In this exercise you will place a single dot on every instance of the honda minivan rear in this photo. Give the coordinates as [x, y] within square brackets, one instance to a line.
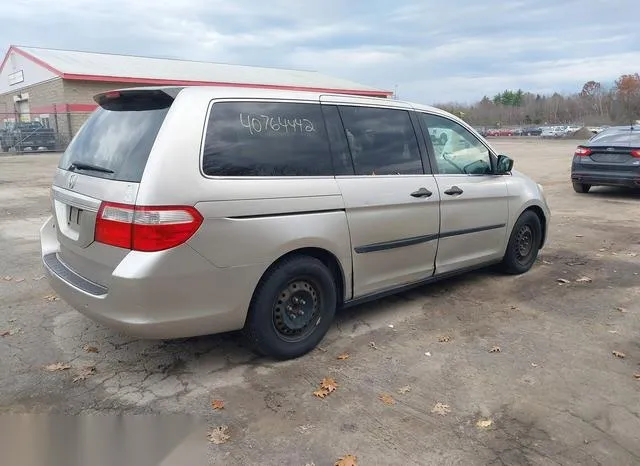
[116, 251]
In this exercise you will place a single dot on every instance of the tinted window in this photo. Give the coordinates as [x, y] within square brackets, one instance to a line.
[342, 163]
[119, 136]
[266, 139]
[382, 141]
[456, 150]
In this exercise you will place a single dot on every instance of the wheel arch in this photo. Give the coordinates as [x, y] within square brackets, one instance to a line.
[327, 258]
[536, 209]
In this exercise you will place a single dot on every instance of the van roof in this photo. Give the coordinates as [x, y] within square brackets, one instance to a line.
[213, 92]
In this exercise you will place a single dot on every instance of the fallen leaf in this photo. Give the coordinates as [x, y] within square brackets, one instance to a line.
[632, 254]
[11, 320]
[343, 356]
[7, 278]
[547, 263]
[563, 281]
[217, 404]
[441, 409]
[51, 298]
[219, 435]
[19, 280]
[321, 393]
[347, 460]
[329, 384]
[320, 348]
[444, 339]
[621, 309]
[373, 345]
[533, 364]
[613, 331]
[619, 354]
[495, 349]
[390, 325]
[58, 366]
[579, 236]
[41, 277]
[90, 349]
[484, 423]
[428, 353]
[637, 375]
[387, 399]
[11, 332]
[584, 280]
[404, 390]
[84, 373]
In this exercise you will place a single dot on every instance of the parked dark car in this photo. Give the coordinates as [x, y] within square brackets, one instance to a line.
[611, 158]
[533, 131]
[31, 135]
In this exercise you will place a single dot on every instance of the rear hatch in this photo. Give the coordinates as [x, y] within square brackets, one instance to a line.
[614, 152]
[104, 163]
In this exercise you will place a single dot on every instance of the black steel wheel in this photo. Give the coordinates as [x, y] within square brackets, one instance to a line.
[296, 308]
[524, 244]
[292, 308]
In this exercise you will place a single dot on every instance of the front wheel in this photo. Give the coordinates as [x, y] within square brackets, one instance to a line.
[581, 188]
[292, 308]
[524, 244]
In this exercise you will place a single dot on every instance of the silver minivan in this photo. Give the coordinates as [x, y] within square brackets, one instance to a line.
[188, 211]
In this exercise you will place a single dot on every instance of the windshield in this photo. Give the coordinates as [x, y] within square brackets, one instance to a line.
[116, 140]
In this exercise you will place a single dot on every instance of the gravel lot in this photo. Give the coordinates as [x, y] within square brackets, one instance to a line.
[555, 393]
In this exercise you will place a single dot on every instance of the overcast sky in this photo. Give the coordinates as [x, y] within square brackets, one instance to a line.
[434, 51]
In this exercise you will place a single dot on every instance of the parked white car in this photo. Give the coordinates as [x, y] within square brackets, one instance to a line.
[552, 132]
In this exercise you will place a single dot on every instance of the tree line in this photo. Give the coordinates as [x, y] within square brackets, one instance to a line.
[594, 105]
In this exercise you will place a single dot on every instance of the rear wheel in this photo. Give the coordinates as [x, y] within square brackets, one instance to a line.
[292, 308]
[581, 188]
[524, 244]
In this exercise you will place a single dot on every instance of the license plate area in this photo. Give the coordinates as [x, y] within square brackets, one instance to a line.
[73, 216]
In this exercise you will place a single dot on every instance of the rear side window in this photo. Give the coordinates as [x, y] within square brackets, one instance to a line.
[266, 139]
[117, 138]
[382, 141]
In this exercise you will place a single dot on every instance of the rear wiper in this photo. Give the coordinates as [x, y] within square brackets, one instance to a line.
[88, 166]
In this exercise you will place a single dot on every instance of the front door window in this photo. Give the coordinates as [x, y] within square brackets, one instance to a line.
[457, 150]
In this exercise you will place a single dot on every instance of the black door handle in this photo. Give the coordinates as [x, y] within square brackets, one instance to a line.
[453, 191]
[422, 192]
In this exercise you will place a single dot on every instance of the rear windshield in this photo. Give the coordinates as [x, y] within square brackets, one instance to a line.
[117, 138]
[625, 138]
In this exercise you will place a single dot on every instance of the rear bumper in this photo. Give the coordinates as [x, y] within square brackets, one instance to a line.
[172, 294]
[606, 178]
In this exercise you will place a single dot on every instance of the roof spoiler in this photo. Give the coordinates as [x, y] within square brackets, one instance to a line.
[166, 95]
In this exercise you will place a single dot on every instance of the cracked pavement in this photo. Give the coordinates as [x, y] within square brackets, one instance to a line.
[555, 392]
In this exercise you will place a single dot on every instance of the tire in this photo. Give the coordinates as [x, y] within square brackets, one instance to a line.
[581, 188]
[524, 244]
[300, 282]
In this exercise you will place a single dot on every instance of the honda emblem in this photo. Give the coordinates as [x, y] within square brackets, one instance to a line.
[71, 182]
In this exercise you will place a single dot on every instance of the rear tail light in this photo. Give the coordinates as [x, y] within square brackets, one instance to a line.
[635, 153]
[583, 151]
[146, 228]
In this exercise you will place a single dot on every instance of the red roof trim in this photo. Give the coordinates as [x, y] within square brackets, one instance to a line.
[30, 57]
[171, 82]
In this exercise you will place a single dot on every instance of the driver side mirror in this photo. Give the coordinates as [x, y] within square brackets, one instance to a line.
[504, 165]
